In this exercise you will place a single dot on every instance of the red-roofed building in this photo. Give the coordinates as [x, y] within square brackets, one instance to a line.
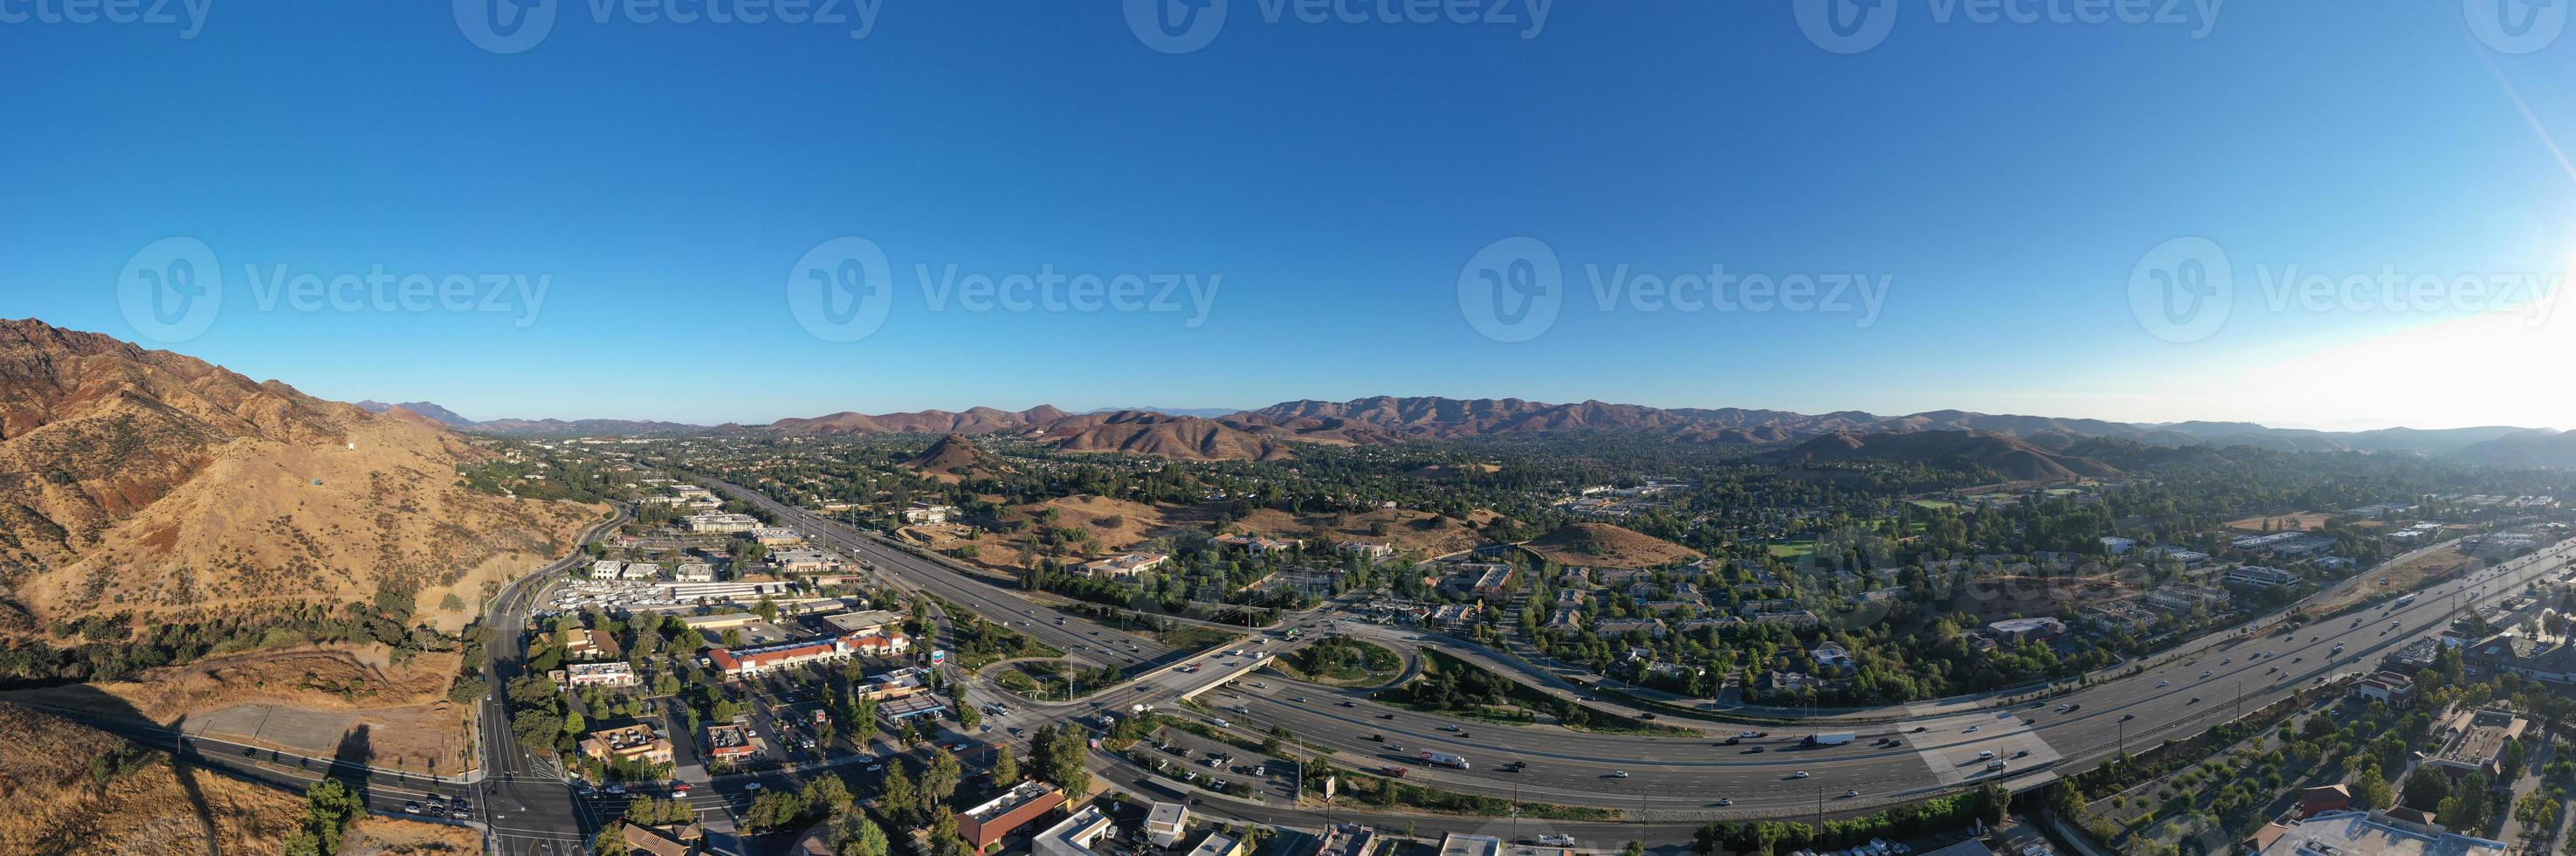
[2316, 801]
[880, 645]
[738, 663]
[986, 825]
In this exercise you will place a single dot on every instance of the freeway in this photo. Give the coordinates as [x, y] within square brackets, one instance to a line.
[1078, 637]
[1678, 777]
[1939, 751]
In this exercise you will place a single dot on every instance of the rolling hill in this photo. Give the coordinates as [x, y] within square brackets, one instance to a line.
[144, 481]
[2010, 457]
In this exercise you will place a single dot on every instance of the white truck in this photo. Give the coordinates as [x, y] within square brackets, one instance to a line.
[1837, 738]
[1445, 760]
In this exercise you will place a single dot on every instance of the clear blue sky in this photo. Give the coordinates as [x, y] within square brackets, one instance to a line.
[2004, 180]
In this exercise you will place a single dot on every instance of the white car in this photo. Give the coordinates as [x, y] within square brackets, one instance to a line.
[1556, 840]
[1798, 775]
[2163, 684]
[1985, 755]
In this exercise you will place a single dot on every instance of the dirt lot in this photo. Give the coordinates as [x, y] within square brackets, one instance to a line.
[373, 836]
[316, 701]
[2305, 521]
[2413, 574]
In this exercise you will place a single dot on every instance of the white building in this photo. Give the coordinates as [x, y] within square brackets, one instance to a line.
[606, 569]
[695, 572]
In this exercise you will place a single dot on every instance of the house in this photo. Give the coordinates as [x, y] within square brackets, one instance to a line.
[2253, 576]
[636, 743]
[727, 742]
[666, 840]
[1075, 835]
[986, 825]
[921, 513]
[1365, 550]
[1623, 627]
[1124, 566]
[598, 675]
[1167, 823]
[1831, 656]
[695, 572]
[2118, 546]
[1565, 621]
[1259, 545]
[1793, 618]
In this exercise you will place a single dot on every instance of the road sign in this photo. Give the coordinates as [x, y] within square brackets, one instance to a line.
[939, 657]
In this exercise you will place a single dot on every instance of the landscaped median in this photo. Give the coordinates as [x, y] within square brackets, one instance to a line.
[1453, 687]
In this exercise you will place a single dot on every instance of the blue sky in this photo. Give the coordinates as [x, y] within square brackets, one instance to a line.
[2001, 182]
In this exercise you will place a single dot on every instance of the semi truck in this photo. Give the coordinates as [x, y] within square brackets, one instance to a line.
[1837, 738]
[1445, 760]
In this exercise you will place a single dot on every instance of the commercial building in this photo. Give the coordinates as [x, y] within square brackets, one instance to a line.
[720, 524]
[2018, 631]
[739, 663]
[606, 569]
[598, 675]
[2394, 689]
[776, 536]
[2477, 741]
[1074, 836]
[1167, 823]
[641, 572]
[1455, 844]
[727, 743]
[636, 743]
[986, 825]
[695, 572]
[2370, 833]
[1217, 842]
[920, 514]
[665, 840]
[582, 643]
[804, 561]
[2260, 577]
[1122, 567]
[866, 622]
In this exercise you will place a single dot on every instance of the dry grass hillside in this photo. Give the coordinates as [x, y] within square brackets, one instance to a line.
[1410, 531]
[67, 800]
[312, 700]
[153, 483]
[1601, 545]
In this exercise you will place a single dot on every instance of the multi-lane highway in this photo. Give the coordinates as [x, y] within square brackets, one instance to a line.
[1898, 756]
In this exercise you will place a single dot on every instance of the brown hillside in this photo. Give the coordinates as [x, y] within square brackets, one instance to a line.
[1410, 531]
[1142, 433]
[953, 459]
[153, 482]
[57, 806]
[1601, 545]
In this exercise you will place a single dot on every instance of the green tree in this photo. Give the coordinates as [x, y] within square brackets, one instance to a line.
[1006, 767]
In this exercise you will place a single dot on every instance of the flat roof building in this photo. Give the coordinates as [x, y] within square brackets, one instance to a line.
[986, 825]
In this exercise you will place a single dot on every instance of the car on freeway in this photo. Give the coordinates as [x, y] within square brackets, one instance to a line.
[1556, 840]
[411, 808]
[1725, 801]
[2207, 673]
[751, 786]
[1798, 775]
[1985, 755]
[1850, 794]
[1618, 774]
